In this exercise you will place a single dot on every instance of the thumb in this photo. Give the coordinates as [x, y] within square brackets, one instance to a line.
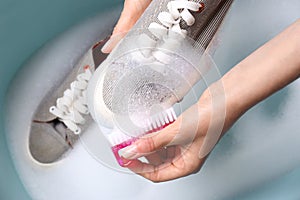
[182, 131]
[151, 142]
[133, 9]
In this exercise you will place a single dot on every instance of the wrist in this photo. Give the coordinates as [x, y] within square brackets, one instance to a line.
[267, 70]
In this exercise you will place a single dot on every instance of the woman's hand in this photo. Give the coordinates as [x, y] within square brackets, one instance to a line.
[181, 148]
[133, 9]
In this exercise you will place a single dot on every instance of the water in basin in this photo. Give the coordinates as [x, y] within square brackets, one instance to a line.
[258, 150]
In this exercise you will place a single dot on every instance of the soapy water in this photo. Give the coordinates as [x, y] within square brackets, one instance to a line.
[259, 148]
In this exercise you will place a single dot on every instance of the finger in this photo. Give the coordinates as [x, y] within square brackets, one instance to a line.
[184, 163]
[152, 142]
[155, 159]
[161, 156]
[183, 131]
[163, 172]
[133, 9]
[140, 167]
[112, 42]
[170, 153]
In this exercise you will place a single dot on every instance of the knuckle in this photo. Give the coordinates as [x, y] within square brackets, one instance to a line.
[150, 145]
[154, 178]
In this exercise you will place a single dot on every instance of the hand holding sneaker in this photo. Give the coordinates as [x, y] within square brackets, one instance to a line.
[132, 11]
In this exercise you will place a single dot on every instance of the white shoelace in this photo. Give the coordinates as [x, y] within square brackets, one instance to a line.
[168, 29]
[73, 105]
[170, 21]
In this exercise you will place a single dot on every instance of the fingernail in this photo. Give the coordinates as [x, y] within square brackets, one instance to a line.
[107, 46]
[129, 152]
[126, 162]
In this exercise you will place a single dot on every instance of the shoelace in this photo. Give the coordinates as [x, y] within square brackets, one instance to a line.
[170, 21]
[73, 105]
[168, 29]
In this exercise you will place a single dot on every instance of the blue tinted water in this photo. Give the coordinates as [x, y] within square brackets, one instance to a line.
[24, 27]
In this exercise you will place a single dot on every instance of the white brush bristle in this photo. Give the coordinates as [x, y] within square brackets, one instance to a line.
[117, 137]
[161, 119]
[154, 123]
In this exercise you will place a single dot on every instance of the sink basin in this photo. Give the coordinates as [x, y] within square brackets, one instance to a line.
[256, 159]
